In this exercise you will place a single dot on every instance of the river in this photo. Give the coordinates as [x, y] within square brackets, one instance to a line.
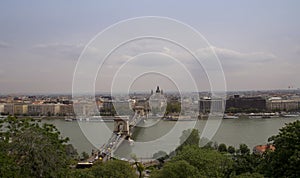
[231, 132]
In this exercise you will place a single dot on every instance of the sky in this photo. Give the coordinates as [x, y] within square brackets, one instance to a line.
[257, 42]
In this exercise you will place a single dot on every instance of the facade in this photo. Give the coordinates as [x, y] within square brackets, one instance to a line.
[1, 108]
[50, 109]
[283, 105]
[85, 109]
[107, 108]
[34, 109]
[20, 109]
[245, 103]
[9, 109]
[208, 105]
[43, 109]
[66, 110]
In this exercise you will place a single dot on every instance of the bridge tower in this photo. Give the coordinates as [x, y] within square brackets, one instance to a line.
[121, 126]
[140, 110]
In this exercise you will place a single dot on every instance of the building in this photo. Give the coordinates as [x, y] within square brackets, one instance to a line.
[157, 103]
[208, 105]
[1, 108]
[66, 110]
[123, 107]
[85, 109]
[246, 103]
[20, 109]
[107, 108]
[35, 109]
[282, 105]
[260, 149]
[9, 109]
[50, 109]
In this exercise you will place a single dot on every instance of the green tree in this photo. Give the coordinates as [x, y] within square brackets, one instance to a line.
[71, 152]
[210, 163]
[249, 175]
[84, 155]
[113, 168]
[244, 162]
[8, 167]
[189, 137]
[231, 150]
[80, 173]
[139, 166]
[222, 148]
[173, 107]
[285, 160]
[159, 154]
[243, 150]
[248, 163]
[177, 169]
[36, 150]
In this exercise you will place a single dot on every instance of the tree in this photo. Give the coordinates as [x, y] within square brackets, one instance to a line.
[177, 169]
[8, 167]
[159, 154]
[71, 152]
[231, 150]
[244, 162]
[285, 160]
[84, 155]
[189, 137]
[81, 173]
[210, 163]
[36, 150]
[173, 107]
[248, 163]
[243, 150]
[249, 175]
[139, 166]
[113, 168]
[222, 148]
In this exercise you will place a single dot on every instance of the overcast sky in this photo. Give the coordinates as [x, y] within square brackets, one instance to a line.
[257, 42]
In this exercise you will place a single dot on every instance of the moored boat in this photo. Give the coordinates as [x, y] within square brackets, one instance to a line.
[230, 117]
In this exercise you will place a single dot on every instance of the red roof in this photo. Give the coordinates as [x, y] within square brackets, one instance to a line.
[263, 148]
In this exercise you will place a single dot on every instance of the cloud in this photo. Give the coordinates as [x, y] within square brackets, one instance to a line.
[231, 60]
[228, 54]
[4, 45]
[59, 50]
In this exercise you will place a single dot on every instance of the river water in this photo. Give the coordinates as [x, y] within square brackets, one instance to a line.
[86, 135]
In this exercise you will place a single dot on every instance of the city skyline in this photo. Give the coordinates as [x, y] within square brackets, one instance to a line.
[258, 43]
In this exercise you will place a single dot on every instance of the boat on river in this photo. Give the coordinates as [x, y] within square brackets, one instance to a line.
[226, 116]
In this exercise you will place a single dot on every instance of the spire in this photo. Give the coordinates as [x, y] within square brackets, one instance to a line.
[157, 89]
